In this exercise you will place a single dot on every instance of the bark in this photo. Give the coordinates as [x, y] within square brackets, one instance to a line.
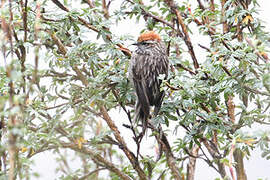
[230, 108]
[240, 170]
[12, 151]
[223, 11]
[191, 167]
[215, 154]
[171, 161]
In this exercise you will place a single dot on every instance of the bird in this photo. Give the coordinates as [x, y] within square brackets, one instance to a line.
[147, 63]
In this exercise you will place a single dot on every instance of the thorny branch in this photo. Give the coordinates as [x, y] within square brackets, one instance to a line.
[135, 138]
[106, 117]
[164, 143]
[186, 37]
[90, 26]
[133, 160]
[72, 145]
[81, 74]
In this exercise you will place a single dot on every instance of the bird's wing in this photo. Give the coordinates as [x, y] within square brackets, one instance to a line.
[155, 66]
[140, 83]
[145, 70]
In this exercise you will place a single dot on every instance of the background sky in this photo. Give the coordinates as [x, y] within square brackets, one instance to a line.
[256, 167]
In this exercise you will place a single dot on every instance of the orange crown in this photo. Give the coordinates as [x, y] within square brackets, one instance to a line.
[150, 35]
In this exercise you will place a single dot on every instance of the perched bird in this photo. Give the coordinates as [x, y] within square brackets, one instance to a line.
[147, 62]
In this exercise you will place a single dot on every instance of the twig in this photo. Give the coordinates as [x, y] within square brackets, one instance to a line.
[105, 8]
[156, 18]
[186, 69]
[201, 5]
[91, 173]
[135, 138]
[24, 17]
[206, 48]
[89, 2]
[207, 160]
[160, 176]
[215, 154]
[255, 91]
[57, 106]
[223, 67]
[212, 5]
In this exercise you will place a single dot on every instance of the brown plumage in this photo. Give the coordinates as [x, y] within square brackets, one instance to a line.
[147, 62]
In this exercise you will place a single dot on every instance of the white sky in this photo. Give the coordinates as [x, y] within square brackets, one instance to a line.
[256, 167]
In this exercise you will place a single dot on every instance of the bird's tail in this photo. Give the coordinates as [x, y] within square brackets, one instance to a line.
[142, 110]
[141, 115]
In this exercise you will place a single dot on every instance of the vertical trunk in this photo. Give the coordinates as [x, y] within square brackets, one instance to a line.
[12, 157]
[240, 170]
[238, 156]
[223, 11]
[192, 163]
[12, 148]
[1, 130]
[169, 157]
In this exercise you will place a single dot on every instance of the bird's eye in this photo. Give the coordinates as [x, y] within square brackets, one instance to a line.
[144, 43]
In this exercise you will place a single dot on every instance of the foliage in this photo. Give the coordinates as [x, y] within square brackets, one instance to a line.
[63, 73]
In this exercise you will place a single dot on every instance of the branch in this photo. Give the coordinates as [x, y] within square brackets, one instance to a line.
[240, 170]
[215, 154]
[230, 108]
[164, 143]
[174, 8]
[91, 27]
[223, 11]
[255, 91]
[262, 56]
[80, 75]
[170, 158]
[229, 74]
[135, 138]
[58, 42]
[24, 17]
[105, 9]
[201, 5]
[212, 5]
[97, 158]
[186, 69]
[91, 173]
[61, 6]
[156, 18]
[229, 102]
[90, 3]
[134, 162]
[63, 51]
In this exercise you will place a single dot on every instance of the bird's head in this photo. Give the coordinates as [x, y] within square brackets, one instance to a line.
[148, 38]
